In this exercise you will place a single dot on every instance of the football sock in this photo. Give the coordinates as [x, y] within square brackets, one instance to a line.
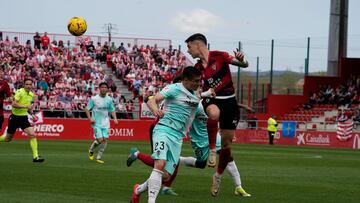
[93, 145]
[224, 158]
[212, 128]
[154, 185]
[102, 148]
[34, 147]
[142, 188]
[234, 173]
[146, 159]
[188, 161]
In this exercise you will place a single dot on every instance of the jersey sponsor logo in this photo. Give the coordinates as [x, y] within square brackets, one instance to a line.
[192, 104]
[101, 108]
[214, 83]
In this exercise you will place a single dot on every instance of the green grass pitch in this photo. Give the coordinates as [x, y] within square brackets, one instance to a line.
[270, 173]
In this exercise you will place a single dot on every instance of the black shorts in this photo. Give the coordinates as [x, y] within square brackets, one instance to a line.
[16, 122]
[1, 121]
[229, 111]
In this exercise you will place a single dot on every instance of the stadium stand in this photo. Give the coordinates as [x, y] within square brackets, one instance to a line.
[67, 74]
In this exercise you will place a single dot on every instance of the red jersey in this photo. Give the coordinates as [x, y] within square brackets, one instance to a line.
[4, 92]
[217, 73]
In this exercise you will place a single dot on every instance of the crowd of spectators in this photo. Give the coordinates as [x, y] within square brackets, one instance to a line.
[145, 69]
[66, 75]
[344, 95]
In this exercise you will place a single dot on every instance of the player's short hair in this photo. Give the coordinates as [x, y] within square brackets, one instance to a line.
[190, 72]
[177, 79]
[28, 79]
[197, 36]
[103, 83]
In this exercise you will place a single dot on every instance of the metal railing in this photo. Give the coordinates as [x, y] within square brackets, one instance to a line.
[24, 36]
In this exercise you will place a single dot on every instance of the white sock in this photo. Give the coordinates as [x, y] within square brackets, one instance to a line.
[142, 188]
[102, 148]
[188, 161]
[93, 145]
[234, 173]
[164, 188]
[136, 153]
[154, 185]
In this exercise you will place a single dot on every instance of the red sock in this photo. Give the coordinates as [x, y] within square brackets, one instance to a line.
[146, 159]
[172, 178]
[212, 128]
[224, 157]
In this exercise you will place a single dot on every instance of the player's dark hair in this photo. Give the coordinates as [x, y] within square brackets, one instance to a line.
[177, 79]
[190, 72]
[28, 79]
[197, 36]
[103, 83]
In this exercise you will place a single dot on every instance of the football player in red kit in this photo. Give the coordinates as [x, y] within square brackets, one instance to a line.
[4, 93]
[216, 74]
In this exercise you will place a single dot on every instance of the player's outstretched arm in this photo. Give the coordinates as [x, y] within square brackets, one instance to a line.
[239, 59]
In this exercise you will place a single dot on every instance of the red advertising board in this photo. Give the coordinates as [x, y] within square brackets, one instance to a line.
[302, 138]
[80, 129]
[138, 130]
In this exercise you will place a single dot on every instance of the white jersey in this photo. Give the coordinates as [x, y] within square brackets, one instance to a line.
[100, 107]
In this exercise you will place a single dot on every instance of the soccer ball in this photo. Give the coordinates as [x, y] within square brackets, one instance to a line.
[77, 26]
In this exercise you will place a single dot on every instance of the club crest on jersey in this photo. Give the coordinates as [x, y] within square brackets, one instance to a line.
[213, 67]
[165, 89]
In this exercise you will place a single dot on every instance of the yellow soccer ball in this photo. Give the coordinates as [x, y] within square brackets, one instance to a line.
[77, 26]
